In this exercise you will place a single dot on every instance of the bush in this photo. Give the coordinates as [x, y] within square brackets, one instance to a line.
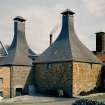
[95, 90]
[87, 102]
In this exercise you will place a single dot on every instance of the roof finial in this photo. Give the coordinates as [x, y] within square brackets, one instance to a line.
[19, 18]
[68, 11]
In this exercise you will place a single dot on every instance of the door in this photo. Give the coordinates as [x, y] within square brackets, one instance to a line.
[31, 90]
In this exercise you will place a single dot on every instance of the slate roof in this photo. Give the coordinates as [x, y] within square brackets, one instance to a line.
[19, 52]
[67, 46]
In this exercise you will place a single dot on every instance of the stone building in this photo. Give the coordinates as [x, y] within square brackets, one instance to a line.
[16, 67]
[67, 66]
[100, 53]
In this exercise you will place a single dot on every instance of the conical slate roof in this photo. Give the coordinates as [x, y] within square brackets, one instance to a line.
[67, 46]
[19, 52]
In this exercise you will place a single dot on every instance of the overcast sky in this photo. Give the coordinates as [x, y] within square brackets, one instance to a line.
[43, 15]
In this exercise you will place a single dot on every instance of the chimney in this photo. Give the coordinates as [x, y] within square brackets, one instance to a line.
[100, 42]
[50, 39]
[19, 33]
[67, 24]
[19, 25]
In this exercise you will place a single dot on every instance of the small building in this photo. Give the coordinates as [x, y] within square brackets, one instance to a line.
[16, 67]
[67, 67]
[100, 53]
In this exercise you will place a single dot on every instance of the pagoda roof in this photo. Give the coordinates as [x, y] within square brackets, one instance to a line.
[19, 52]
[67, 46]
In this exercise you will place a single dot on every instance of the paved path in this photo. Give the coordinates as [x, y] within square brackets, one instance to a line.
[48, 103]
[38, 100]
[42, 100]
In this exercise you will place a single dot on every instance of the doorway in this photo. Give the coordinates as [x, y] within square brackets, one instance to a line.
[18, 91]
[31, 90]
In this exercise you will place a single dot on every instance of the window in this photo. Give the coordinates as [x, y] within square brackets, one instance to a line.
[1, 81]
[1, 93]
[49, 66]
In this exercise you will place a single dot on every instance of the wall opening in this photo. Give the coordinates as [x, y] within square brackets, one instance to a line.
[49, 66]
[1, 93]
[18, 91]
[31, 90]
[1, 81]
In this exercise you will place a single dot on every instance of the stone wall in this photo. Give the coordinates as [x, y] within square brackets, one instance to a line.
[85, 77]
[101, 56]
[22, 77]
[5, 87]
[56, 77]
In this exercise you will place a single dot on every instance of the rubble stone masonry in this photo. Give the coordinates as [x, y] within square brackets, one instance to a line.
[59, 76]
[22, 77]
[72, 77]
[5, 86]
[101, 56]
[85, 77]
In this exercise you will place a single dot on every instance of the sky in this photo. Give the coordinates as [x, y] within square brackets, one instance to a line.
[44, 17]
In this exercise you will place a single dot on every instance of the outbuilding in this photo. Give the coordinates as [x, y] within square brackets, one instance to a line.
[16, 77]
[67, 67]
